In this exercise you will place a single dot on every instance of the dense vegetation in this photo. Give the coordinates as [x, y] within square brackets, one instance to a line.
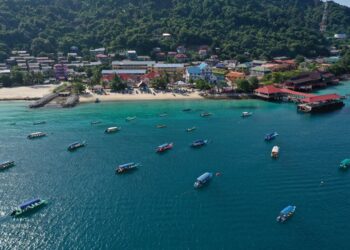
[259, 27]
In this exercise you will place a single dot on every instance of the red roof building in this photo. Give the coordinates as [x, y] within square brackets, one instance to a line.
[321, 98]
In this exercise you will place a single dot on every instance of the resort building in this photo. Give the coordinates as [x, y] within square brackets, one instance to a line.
[202, 71]
[259, 71]
[61, 72]
[129, 75]
[232, 76]
[170, 69]
[133, 65]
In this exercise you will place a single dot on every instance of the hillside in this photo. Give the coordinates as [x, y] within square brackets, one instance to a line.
[261, 27]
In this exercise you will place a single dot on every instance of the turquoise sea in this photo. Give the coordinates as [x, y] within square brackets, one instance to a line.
[156, 207]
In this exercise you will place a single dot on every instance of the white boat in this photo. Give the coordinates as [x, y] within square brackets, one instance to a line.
[246, 114]
[112, 130]
[275, 151]
[130, 118]
[36, 135]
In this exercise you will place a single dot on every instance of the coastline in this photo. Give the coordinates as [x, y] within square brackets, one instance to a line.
[114, 97]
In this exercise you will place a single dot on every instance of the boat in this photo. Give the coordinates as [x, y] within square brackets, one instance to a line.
[39, 123]
[191, 129]
[246, 114]
[126, 167]
[203, 179]
[164, 147]
[286, 213]
[6, 164]
[12, 124]
[199, 143]
[345, 164]
[36, 135]
[97, 100]
[130, 118]
[271, 136]
[76, 145]
[275, 151]
[111, 130]
[186, 110]
[28, 206]
[163, 114]
[95, 122]
[161, 126]
[206, 114]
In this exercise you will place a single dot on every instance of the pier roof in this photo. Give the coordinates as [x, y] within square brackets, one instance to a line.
[321, 98]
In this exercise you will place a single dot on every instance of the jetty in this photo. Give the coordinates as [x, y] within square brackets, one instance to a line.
[71, 101]
[43, 101]
[306, 102]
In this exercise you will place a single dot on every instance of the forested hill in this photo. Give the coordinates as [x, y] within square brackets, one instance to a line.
[261, 27]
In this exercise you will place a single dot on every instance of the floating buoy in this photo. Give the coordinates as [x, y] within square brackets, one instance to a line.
[217, 174]
[321, 183]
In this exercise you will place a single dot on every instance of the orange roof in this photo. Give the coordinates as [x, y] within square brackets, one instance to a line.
[235, 74]
[268, 90]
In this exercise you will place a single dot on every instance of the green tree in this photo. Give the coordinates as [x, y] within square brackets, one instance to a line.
[202, 84]
[117, 84]
[243, 85]
[159, 83]
[78, 88]
[253, 82]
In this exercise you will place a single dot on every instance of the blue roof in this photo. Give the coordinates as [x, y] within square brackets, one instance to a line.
[193, 70]
[203, 66]
[287, 210]
[28, 203]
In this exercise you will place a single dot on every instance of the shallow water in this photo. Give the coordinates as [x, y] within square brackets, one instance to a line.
[156, 206]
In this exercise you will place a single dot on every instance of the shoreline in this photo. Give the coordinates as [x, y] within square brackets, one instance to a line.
[117, 97]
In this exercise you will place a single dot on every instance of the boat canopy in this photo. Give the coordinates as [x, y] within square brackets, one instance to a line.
[163, 145]
[127, 165]
[74, 143]
[28, 203]
[204, 177]
[345, 162]
[287, 210]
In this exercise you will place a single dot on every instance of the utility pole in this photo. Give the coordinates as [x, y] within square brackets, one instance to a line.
[323, 25]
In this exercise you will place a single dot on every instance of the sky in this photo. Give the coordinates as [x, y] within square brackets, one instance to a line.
[343, 2]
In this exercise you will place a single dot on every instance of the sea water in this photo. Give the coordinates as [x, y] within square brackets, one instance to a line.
[156, 206]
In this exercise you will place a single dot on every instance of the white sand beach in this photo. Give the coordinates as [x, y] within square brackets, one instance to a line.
[25, 93]
[110, 97]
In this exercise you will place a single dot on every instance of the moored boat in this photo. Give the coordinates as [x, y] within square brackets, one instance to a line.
[36, 135]
[39, 123]
[205, 114]
[186, 110]
[191, 129]
[130, 118]
[246, 114]
[286, 213]
[126, 167]
[161, 126]
[28, 206]
[203, 179]
[111, 130]
[271, 136]
[6, 164]
[163, 114]
[345, 164]
[76, 145]
[275, 152]
[164, 147]
[199, 143]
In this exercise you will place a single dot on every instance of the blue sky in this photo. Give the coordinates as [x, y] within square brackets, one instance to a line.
[343, 2]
